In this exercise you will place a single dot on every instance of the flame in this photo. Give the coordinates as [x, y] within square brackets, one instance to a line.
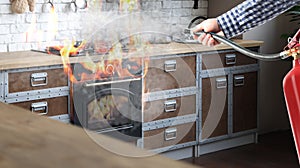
[33, 34]
[31, 30]
[52, 25]
[113, 64]
[112, 61]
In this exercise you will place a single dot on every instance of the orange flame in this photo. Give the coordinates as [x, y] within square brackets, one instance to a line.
[113, 65]
[33, 34]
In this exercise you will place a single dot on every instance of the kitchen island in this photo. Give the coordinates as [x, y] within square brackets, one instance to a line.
[190, 97]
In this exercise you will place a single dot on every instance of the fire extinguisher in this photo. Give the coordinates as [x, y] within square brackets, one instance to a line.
[291, 82]
[291, 88]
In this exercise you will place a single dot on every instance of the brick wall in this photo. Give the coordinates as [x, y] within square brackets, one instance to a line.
[19, 32]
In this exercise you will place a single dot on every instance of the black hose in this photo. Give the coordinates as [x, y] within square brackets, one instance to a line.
[245, 51]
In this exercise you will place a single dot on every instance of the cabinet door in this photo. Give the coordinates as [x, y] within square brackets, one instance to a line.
[214, 107]
[171, 73]
[244, 101]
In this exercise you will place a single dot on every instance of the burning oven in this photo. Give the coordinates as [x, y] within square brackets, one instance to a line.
[109, 106]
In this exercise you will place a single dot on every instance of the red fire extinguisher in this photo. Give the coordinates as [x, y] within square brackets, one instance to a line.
[291, 88]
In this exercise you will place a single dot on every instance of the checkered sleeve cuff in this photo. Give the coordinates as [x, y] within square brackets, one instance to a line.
[229, 24]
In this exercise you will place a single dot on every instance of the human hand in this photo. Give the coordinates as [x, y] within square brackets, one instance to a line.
[209, 25]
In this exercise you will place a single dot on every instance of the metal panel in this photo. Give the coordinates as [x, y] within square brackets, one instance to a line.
[215, 72]
[36, 93]
[172, 56]
[198, 103]
[65, 118]
[159, 95]
[224, 137]
[181, 153]
[228, 70]
[1, 86]
[245, 68]
[37, 96]
[230, 103]
[35, 68]
[169, 122]
[174, 147]
[226, 144]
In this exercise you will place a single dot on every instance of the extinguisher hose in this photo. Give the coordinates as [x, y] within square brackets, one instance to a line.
[245, 51]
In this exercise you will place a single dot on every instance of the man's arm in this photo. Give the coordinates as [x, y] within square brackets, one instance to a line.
[250, 14]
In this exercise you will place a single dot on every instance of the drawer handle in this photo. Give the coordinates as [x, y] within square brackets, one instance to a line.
[41, 108]
[230, 59]
[170, 106]
[170, 133]
[221, 83]
[170, 65]
[239, 80]
[39, 79]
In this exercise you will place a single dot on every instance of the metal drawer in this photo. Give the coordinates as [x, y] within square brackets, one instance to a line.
[225, 59]
[47, 107]
[161, 109]
[22, 81]
[171, 73]
[170, 136]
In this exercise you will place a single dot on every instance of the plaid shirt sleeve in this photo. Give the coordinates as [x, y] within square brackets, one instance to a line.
[251, 13]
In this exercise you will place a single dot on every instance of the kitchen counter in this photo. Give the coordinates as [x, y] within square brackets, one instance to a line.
[28, 140]
[26, 59]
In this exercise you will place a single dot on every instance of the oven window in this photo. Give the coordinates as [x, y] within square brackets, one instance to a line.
[109, 111]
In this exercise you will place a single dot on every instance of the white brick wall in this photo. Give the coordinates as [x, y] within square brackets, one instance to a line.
[15, 29]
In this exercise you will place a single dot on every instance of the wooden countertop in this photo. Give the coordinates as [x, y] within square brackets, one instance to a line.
[28, 141]
[25, 59]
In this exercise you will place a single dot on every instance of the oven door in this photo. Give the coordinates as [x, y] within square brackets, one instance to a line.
[109, 107]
